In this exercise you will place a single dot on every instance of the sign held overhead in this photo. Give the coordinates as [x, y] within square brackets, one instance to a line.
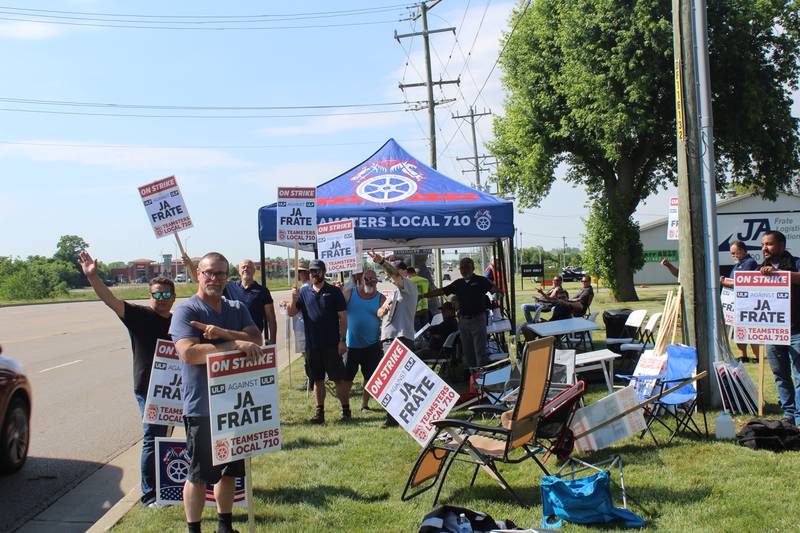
[165, 207]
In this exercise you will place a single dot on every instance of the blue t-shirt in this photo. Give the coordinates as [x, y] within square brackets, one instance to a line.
[321, 315]
[254, 297]
[363, 324]
[748, 264]
[234, 316]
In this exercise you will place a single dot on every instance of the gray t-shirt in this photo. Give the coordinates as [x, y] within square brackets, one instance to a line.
[400, 321]
[234, 316]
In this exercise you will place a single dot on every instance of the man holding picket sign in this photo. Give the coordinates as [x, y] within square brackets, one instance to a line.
[146, 324]
[204, 324]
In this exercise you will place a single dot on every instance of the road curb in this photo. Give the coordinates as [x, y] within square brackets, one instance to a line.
[115, 514]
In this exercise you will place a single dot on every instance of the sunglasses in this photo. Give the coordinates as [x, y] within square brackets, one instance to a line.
[314, 271]
[161, 295]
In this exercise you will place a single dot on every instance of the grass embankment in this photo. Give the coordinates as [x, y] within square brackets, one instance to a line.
[349, 477]
[127, 292]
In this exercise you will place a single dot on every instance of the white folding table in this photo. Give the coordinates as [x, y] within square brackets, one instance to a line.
[598, 359]
[562, 328]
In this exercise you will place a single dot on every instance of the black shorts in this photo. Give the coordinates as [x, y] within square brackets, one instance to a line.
[322, 361]
[367, 358]
[198, 444]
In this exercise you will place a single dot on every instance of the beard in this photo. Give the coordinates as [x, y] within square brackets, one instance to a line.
[212, 291]
[369, 289]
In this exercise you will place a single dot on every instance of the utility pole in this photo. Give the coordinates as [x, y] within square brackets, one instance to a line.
[564, 256]
[699, 272]
[424, 7]
[476, 159]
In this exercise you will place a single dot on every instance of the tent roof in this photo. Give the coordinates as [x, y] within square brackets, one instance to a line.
[398, 201]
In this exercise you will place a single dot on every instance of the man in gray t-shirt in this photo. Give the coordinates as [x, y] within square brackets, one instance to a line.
[397, 314]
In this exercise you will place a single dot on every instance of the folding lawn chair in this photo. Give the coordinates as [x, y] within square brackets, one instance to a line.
[530, 428]
[632, 330]
[647, 337]
[583, 339]
[678, 406]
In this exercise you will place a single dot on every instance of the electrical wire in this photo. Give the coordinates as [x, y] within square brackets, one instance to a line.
[141, 115]
[196, 147]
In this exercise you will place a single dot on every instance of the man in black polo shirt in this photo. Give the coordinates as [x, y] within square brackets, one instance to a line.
[325, 321]
[256, 298]
[145, 326]
[470, 291]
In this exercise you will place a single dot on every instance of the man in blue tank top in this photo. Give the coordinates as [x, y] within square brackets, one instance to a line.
[363, 330]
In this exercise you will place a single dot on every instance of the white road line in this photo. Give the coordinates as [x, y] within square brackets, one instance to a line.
[60, 366]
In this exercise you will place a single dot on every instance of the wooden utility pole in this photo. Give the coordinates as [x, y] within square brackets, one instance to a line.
[424, 7]
[699, 272]
[477, 160]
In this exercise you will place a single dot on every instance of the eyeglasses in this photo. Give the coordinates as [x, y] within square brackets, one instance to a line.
[161, 295]
[211, 274]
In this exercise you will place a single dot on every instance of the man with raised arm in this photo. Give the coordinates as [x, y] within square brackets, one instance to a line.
[146, 324]
[204, 324]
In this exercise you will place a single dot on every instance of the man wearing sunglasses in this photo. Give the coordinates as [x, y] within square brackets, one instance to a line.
[204, 324]
[146, 324]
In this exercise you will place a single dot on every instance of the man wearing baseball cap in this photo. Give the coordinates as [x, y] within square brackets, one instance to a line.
[325, 321]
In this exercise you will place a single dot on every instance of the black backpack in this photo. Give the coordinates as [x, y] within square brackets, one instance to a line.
[773, 435]
[444, 519]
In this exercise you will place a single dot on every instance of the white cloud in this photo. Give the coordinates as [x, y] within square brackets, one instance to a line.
[122, 157]
[337, 124]
[16, 29]
[290, 174]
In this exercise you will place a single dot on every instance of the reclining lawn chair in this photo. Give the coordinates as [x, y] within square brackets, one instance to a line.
[531, 427]
[673, 411]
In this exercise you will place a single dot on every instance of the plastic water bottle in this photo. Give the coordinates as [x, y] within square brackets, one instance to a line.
[725, 428]
[464, 525]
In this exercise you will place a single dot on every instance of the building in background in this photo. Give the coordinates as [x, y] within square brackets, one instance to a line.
[743, 218]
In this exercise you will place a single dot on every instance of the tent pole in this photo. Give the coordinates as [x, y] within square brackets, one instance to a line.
[438, 265]
[263, 266]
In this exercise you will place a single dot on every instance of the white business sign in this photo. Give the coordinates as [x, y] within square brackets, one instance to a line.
[672, 219]
[165, 207]
[728, 299]
[243, 405]
[411, 392]
[763, 308]
[297, 214]
[751, 227]
[164, 403]
[336, 246]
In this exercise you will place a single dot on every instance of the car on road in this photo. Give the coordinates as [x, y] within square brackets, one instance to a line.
[446, 277]
[15, 415]
[181, 278]
[572, 274]
[141, 279]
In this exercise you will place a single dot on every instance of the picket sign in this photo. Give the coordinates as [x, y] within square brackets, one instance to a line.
[763, 313]
[165, 207]
[336, 246]
[297, 214]
[164, 403]
[672, 220]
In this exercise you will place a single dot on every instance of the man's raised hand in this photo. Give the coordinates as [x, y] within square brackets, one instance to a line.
[88, 265]
[376, 258]
[212, 332]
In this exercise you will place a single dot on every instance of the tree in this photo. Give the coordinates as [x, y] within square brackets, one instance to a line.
[67, 250]
[590, 84]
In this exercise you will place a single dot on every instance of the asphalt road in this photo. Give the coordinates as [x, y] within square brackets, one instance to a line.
[78, 359]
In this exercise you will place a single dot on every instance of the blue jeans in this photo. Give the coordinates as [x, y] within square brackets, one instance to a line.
[785, 364]
[529, 309]
[148, 461]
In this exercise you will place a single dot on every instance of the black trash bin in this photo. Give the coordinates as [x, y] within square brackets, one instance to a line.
[614, 319]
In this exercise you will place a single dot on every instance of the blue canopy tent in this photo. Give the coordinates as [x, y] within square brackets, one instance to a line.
[397, 201]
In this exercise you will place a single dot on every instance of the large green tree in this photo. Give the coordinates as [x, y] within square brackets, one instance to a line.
[67, 250]
[590, 85]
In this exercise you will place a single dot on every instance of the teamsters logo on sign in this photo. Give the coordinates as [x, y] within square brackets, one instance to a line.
[389, 181]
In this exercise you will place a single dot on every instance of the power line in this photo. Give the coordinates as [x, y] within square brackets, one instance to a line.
[140, 115]
[197, 147]
[214, 28]
[71, 103]
[320, 13]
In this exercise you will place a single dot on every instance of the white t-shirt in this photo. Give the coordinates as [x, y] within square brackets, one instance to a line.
[400, 321]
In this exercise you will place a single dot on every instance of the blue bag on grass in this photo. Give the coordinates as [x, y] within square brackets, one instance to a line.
[582, 501]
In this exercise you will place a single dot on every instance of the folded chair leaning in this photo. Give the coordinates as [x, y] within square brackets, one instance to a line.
[532, 427]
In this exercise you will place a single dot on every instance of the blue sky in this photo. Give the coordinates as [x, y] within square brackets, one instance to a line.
[77, 174]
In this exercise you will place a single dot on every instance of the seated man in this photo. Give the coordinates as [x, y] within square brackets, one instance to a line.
[575, 307]
[545, 303]
[436, 335]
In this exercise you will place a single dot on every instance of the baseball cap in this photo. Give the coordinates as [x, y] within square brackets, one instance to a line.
[316, 264]
[399, 265]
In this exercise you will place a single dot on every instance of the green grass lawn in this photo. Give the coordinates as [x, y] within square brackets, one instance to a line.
[349, 477]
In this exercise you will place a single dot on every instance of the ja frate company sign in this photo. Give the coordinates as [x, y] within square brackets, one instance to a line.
[243, 405]
[336, 246]
[763, 308]
[164, 403]
[165, 207]
[297, 214]
[411, 392]
[672, 220]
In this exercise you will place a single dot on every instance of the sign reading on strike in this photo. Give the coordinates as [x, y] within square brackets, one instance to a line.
[164, 403]
[173, 468]
[411, 392]
[762, 310]
[297, 214]
[728, 299]
[243, 405]
[336, 245]
[672, 219]
[165, 206]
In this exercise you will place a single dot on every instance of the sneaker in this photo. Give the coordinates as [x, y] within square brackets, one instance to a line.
[157, 505]
[389, 423]
[366, 408]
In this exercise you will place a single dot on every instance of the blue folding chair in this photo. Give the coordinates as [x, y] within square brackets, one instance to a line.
[679, 405]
